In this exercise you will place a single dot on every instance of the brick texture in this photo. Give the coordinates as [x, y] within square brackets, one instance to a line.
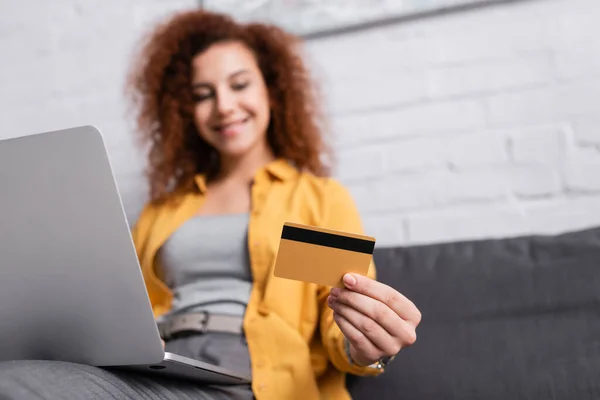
[506, 140]
[469, 125]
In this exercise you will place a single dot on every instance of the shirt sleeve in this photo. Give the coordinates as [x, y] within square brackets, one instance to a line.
[340, 213]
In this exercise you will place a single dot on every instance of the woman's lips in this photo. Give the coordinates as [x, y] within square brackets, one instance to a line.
[233, 128]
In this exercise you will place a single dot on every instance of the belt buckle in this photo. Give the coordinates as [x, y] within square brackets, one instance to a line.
[204, 321]
[166, 328]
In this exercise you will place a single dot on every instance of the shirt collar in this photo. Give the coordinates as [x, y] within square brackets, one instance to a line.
[279, 169]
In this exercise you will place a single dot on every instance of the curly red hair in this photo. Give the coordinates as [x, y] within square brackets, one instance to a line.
[159, 86]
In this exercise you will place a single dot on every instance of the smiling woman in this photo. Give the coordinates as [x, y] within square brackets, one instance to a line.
[196, 64]
[236, 149]
[232, 103]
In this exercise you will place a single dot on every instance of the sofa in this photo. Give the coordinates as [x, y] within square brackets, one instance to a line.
[515, 318]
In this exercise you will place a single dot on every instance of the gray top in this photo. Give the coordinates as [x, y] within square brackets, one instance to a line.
[206, 265]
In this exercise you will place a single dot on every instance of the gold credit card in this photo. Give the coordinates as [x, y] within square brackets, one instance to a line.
[322, 256]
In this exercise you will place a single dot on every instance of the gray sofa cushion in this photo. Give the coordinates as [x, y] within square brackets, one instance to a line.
[515, 318]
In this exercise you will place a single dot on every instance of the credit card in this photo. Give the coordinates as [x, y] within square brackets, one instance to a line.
[322, 256]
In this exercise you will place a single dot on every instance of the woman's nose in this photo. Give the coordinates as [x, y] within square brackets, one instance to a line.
[225, 103]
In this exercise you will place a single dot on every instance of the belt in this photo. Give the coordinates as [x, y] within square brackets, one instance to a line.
[200, 322]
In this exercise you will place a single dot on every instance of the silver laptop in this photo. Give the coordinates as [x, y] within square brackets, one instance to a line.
[71, 287]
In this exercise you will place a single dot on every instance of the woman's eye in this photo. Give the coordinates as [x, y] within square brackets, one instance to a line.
[198, 97]
[240, 85]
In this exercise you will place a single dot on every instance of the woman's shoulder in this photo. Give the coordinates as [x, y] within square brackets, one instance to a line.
[331, 203]
[323, 186]
[150, 212]
[152, 207]
[146, 215]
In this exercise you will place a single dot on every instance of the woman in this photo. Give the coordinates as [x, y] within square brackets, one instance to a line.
[235, 150]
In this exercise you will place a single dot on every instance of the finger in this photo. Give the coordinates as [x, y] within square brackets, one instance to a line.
[373, 331]
[357, 339]
[385, 294]
[393, 324]
[370, 307]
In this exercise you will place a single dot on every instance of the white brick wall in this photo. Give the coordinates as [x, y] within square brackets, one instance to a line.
[494, 128]
[63, 64]
[477, 124]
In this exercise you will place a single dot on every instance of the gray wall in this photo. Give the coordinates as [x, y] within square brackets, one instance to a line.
[476, 124]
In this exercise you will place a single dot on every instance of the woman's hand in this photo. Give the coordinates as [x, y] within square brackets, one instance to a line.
[376, 319]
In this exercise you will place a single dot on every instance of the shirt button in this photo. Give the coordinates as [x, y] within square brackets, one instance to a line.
[263, 311]
[260, 364]
[262, 386]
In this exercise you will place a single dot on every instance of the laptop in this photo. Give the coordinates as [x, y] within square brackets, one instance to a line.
[71, 287]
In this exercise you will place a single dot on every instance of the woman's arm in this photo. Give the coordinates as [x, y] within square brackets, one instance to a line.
[376, 320]
[341, 214]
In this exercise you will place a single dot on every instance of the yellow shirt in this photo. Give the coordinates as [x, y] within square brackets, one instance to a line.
[295, 347]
